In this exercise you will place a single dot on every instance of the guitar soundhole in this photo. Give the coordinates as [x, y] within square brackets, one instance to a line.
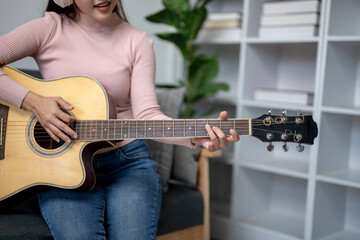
[44, 140]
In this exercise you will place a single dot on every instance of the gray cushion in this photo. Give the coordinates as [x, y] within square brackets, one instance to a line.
[170, 102]
[182, 207]
[185, 165]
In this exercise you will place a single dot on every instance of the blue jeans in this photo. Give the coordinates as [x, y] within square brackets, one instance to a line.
[125, 203]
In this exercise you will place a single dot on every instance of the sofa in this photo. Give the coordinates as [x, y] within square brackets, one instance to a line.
[185, 207]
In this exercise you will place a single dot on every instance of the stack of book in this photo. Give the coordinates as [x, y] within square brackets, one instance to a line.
[290, 19]
[222, 27]
[284, 96]
[223, 20]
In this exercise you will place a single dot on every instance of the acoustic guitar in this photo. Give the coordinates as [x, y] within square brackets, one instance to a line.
[30, 159]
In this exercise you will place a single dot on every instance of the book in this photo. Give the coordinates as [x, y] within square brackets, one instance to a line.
[222, 24]
[229, 35]
[284, 95]
[290, 19]
[281, 7]
[289, 31]
[224, 16]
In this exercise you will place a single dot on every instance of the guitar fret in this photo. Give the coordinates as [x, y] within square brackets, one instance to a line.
[195, 129]
[1, 131]
[101, 130]
[90, 130]
[121, 128]
[108, 128]
[163, 130]
[207, 122]
[129, 129]
[145, 132]
[114, 131]
[96, 131]
[84, 129]
[136, 130]
[184, 123]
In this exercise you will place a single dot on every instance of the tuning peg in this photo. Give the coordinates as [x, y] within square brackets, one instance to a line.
[270, 147]
[300, 148]
[283, 117]
[300, 118]
[285, 147]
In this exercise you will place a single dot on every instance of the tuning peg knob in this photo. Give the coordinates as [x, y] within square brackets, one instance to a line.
[300, 148]
[285, 147]
[270, 147]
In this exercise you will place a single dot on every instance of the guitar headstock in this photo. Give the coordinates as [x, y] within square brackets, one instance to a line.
[282, 128]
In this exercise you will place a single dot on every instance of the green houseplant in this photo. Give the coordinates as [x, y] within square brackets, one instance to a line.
[201, 69]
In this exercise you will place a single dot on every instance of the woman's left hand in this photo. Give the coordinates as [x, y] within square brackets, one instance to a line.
[217, 139]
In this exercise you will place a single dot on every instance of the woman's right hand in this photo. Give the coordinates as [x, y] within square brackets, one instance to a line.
[48, 111]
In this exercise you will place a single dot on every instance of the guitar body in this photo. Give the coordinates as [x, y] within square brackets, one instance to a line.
[25, 163]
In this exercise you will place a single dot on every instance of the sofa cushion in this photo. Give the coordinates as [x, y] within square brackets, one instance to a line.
[24, 222]
[182, 207]
[185, 165]
[170, 102]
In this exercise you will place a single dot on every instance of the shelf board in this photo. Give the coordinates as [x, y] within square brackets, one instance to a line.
[345, 177]
[275, 105]
[343, 235]
[276, 222]
[287, 167]
[234, 229]
[256, 40]
[343, 38]
[342, 110]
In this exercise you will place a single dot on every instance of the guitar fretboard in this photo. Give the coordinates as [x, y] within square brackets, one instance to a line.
[150, 129]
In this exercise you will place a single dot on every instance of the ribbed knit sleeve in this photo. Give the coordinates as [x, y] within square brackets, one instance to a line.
[23, 42]
[143, 95]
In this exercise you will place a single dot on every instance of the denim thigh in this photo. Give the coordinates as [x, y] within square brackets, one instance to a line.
[125, 203]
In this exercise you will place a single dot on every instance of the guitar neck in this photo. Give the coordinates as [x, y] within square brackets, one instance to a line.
[93, 130]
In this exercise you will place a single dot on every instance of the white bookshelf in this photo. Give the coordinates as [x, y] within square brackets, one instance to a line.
[313, 195]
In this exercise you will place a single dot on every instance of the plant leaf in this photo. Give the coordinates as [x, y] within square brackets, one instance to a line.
[179, 40]
[198, 17]
[177, 6]
[166, 16]
[202, 3]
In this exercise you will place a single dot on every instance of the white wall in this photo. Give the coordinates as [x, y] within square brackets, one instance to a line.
[14, 13]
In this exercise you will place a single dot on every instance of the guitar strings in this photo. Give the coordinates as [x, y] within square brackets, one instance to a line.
[156, 127]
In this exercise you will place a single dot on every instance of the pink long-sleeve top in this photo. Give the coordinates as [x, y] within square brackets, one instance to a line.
[114, 53]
